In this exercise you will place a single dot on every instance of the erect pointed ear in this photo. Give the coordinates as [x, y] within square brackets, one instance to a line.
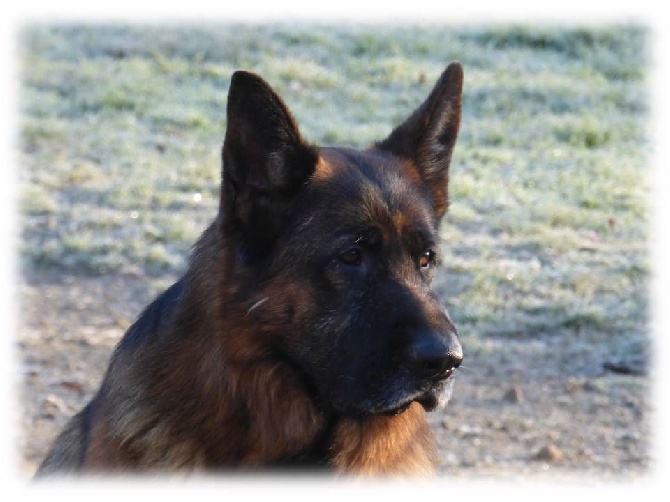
[428, 136]
[265, 162]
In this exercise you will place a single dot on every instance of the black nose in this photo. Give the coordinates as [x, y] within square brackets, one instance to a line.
[434, 355]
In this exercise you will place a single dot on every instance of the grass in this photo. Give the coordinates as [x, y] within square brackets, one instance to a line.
[121, 126]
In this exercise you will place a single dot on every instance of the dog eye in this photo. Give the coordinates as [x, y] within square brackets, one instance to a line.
[352, 256]
[427, 259]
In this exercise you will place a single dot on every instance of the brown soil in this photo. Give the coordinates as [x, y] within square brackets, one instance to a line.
[512, 415]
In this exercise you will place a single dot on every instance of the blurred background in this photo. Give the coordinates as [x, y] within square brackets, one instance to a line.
[545, 248]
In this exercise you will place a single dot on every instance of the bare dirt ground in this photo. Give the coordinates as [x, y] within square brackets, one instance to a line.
[512, 416]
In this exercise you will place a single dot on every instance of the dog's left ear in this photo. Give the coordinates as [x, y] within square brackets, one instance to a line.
[428, 136]
[265, 163]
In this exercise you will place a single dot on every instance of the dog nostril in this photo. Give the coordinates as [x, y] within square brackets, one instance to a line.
[455, 357]
[432, 367]
[446, 366]
[430, 357]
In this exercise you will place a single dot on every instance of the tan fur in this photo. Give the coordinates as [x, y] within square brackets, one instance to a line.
[400, 444]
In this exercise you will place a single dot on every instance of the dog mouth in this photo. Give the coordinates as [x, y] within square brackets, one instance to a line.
[429, 401]
[399, 410]
[393, 398]
[434, 397]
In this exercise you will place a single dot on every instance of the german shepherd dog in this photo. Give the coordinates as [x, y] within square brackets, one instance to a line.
[304, 332]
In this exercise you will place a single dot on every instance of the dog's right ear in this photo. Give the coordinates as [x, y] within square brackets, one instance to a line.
[265, 162]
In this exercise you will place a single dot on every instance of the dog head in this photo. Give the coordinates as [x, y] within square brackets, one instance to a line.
[338, 248]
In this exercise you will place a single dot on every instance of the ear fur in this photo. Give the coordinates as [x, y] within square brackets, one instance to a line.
[428, 136]
[265, 162]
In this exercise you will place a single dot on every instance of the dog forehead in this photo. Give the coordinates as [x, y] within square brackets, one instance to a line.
[376, 165]
[371, 187]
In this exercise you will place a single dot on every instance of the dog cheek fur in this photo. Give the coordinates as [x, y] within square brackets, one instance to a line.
[222, 377]
[289, 420]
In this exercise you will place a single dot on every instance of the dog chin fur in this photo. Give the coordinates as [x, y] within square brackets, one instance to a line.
[445, 393]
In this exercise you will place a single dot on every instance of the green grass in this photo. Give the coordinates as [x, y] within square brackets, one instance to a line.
[121, 126]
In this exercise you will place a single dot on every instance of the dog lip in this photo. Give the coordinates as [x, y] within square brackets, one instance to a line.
[429, 401]
[428, 395]
[390, 409]
[427, 398]
[399, 410]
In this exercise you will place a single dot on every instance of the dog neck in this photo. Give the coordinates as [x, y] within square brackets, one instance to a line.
[384, 444]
